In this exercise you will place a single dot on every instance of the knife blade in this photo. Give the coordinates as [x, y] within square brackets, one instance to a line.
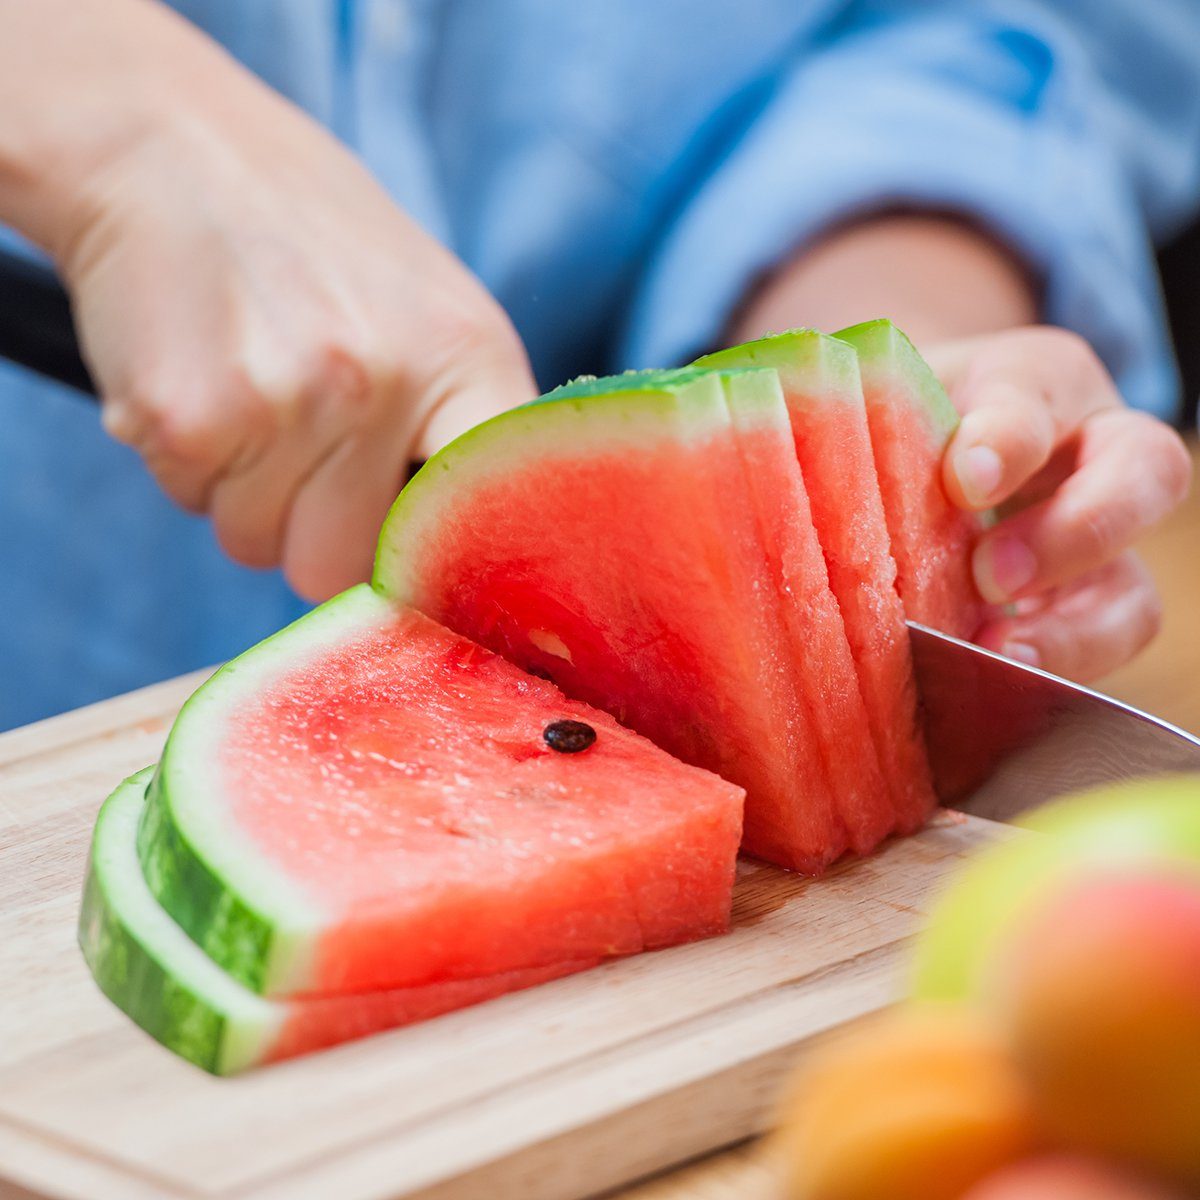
[1004, 737]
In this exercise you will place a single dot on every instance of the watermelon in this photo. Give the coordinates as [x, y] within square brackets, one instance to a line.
[368, 801]
[813, 621]
[613, 536]
[158, 976]
[821, 385]
[911, 421]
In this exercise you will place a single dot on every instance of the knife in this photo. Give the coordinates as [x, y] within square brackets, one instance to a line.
[1004, 737]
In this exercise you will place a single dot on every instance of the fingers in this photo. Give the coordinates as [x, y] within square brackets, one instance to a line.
[1086, 629]
[1045, 434]
[250, 507]
[334, 520]
[1131, 472]
[1022, 394]
[999, 445]
[250, 503]
[186, 439]
[496, 383]
[464, 410]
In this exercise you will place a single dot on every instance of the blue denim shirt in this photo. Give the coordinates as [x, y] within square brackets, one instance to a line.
[618, 173]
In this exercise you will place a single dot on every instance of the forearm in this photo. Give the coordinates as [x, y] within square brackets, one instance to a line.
[935, 276]
[81, 82]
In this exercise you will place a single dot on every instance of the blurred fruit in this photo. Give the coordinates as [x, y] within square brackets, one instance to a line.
[1102, 999]
[1128, 825]
[918, 1103]
[1065, 1177]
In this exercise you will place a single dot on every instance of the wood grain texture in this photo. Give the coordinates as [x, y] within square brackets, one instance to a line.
[1161, 680]
[564, 1091]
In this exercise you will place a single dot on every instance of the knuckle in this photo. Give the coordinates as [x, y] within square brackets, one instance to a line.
[1073, 356]
[1100, 533]
[1070, 361]
[1030, 435]
[1172, 462]
[1147, 604]
[121, 420]
[1162, 462]
[345, 373]
[181, 435]
[162, 423]
[1151, 618]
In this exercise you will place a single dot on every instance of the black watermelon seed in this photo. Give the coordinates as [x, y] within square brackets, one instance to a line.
[568, 737]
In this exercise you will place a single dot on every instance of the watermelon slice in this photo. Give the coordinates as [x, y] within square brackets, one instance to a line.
[366, 801]
[823, 391]
[606, 536]
[158, 976]
[911, 421]
[813, 622]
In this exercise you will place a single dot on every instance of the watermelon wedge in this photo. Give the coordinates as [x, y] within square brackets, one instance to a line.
[367, 800]
[607, 536]
[812, 620]
[160, 978]
[823, 392]
[911, 421]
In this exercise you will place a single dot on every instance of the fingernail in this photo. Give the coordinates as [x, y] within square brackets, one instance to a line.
[1003, 566]
[978, 470]
[1029, 606]
[1023, 653]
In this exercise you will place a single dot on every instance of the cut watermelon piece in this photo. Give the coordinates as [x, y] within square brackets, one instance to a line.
[160, 978]
[911, 421]
[367, 801]
[821, 385]
[812, 619]
[604, 536]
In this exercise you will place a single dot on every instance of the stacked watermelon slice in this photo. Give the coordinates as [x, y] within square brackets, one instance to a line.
[611, 636]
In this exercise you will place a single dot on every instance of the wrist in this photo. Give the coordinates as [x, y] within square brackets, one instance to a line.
[936, 275]
[99, 86]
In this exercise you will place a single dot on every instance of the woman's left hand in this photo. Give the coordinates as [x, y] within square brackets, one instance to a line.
[1077, 477]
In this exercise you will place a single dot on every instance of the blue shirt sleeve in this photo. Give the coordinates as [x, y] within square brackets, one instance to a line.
[1073, 136]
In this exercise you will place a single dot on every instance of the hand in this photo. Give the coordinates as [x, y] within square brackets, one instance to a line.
[1078, 479]
[274, 337]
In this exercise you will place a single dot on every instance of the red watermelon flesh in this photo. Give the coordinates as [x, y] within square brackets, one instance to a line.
[147, 965]
[911, 422]
[814, 624]
[821, 386]
[317, 1022]
[604, 537]
[397, 778]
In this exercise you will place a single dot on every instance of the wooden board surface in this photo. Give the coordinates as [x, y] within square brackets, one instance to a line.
[1161, 680]
[564, 1091]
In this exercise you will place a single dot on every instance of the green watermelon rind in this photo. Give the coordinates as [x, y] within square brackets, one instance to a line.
[881, 346]
[146, 965]
[244, 913]
[672, 380]
[798, 355]
[634, 409]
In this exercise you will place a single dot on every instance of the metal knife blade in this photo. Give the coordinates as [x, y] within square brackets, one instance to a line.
[1004, 737]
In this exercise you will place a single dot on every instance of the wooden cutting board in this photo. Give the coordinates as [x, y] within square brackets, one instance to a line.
[558, 1093]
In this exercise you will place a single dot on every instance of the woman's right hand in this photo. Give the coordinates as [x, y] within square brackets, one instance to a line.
[267, 329]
